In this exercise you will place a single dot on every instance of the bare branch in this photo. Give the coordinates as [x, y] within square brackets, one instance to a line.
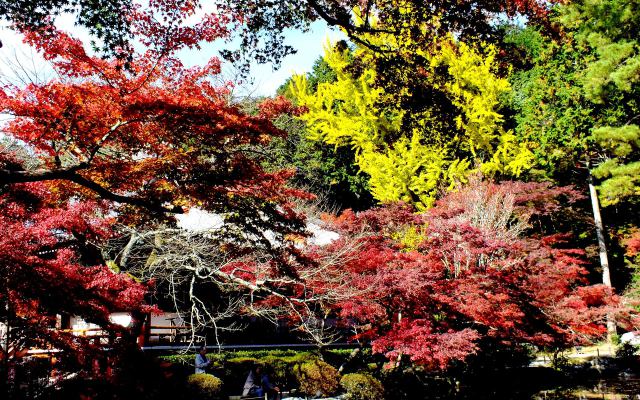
[196, 272]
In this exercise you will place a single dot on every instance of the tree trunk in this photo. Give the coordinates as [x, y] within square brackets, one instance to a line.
[604, 259]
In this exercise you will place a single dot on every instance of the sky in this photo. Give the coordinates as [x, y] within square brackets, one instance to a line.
[309, 45]
[264, 79]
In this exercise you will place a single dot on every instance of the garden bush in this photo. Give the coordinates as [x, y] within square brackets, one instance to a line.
[205, 386]
[281, 370]
[235, 370]
[317, 378]
[287, 368]
[279, 366]
[361, 387]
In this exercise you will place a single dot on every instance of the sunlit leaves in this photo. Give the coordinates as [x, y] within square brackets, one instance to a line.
[410, 154]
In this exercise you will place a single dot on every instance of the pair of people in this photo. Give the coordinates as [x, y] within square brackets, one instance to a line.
[258, 384]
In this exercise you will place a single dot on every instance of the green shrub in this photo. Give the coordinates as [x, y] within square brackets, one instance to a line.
[242, 360]
[560, 361]
[317, 378]
[279, 364]
[205, 386]
[235, 371]
[280, 367]
[284, 366]
[362, 387]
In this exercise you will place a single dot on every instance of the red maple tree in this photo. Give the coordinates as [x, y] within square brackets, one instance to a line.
[122, 141]
[49, 266]
[437, 287]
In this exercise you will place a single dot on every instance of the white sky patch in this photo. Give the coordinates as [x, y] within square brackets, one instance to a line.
[320, 236]
[197, 220]
[310, 46]
[19, 63]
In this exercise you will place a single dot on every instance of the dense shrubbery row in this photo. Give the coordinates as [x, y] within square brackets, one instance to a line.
[309, 373]
[362, 374]
[304, 371]
[458, 264]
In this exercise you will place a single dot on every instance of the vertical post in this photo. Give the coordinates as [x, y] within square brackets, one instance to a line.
[398, 362]
[145, 332]
[604, 259]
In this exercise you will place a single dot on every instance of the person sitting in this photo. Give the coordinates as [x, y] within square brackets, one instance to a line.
[202, 362]
[252, 387]
[257, 384]
[271, 390]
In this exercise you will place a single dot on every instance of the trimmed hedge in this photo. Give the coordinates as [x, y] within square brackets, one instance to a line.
[285, 366]
[317, 378]
[205, 386]
[362, 387]
[234, 366]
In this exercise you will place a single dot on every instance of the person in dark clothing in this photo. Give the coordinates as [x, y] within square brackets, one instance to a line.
[258, 384]
[271, 390]
[252, 386]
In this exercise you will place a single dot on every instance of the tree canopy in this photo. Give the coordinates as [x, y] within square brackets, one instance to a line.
[106, 20]
[410, 153]
[470, 274]
[110, 144]
[431, 110]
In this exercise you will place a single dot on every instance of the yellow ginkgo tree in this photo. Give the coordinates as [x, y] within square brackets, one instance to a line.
[410, 153]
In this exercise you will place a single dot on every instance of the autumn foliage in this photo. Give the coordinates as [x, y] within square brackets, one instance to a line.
[110, 143]
[144, 136]
[96, 163]
[436, 286]
[49, 266]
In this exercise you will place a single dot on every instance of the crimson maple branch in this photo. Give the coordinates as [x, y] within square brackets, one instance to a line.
[71, 174]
